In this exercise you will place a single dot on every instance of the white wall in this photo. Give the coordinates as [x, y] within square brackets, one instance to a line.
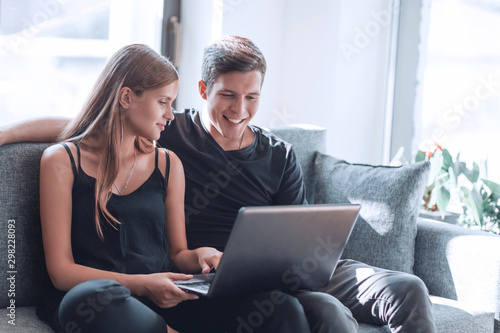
[327, 65]
[265, 23]
[357, 119]
[196, 19]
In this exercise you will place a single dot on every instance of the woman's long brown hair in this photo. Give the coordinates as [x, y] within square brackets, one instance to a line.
[139, 68]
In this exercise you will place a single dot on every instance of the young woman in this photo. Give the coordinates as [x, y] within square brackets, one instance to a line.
[112, 213]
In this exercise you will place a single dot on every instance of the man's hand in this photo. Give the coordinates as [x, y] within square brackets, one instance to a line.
[208, 258]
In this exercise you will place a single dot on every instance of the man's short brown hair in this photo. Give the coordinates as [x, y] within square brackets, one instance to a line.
[228, 54]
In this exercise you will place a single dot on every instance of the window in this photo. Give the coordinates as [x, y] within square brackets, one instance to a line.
[51, 51]
[461, 82]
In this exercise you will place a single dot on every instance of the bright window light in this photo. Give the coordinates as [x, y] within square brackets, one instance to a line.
[461, 85]
[51, 51]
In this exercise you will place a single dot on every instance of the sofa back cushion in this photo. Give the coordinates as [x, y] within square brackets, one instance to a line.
[306, 141]
[20, 220]
[390, 197]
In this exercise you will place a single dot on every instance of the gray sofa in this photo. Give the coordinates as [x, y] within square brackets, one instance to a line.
[460, 267]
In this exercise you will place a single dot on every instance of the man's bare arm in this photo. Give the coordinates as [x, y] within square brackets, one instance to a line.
[35, 130]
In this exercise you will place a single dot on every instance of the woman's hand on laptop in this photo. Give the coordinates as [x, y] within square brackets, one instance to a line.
[208, 258]
[160, 289]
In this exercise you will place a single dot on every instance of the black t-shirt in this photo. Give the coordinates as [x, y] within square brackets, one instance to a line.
[219, 183]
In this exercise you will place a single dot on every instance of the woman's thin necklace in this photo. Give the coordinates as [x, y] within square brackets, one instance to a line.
[129, 176]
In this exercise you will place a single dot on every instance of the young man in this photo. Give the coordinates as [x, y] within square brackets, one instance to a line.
[230, 163]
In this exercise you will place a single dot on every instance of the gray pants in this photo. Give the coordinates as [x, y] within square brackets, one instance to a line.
[369, 295]
[356, 293]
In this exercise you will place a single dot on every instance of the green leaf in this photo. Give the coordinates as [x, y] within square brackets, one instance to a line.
[442, 179]
[447, 160]
[484, 195]
[472, 174]
[442, 199]
[494, 188]
[453, 177]
[420, 156]
[475, 203]
[436, 164]
[459, 168]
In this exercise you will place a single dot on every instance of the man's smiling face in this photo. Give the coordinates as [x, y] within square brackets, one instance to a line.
[232, 101]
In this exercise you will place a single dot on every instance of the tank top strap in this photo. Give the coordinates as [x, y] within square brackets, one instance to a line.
[156, 157]
[73, 165]
[78, 155]
[167, 169]
[167, 157]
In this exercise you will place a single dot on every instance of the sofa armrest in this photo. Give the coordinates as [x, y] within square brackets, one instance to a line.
[459, 263]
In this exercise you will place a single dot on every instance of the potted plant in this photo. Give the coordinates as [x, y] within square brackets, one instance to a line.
[482, 207]
[479, 198]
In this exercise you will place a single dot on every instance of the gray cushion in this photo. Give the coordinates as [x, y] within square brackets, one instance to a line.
[452, 316]
[306, 141]
[449, 317]
[26, 321]
[390, 197]
[19, 201]
[459, 263]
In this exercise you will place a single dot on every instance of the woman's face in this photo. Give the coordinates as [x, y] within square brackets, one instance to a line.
[148, 114]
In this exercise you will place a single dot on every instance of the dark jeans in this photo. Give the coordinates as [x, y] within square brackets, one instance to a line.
[106, 306]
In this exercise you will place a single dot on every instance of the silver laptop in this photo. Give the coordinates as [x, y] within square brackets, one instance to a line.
[278, 247]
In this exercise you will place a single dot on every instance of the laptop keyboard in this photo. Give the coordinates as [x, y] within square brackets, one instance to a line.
[199, 285]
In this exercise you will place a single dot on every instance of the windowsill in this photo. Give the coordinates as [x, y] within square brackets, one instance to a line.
[449, 217]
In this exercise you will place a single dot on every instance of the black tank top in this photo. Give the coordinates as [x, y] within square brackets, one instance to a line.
[138, 245]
